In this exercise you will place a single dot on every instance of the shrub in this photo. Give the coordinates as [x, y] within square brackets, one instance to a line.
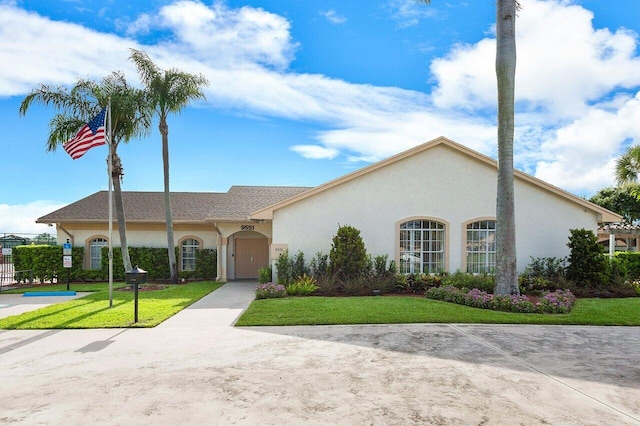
[559, 301]
[283, 268]
[348, 257]
[631, 262]
[265, 274]
[302, 286]
[543, 274]
[459, 279]
[298, 267]
[587, 264]
[270, 290]
[319, 265]
[636, 287]
[417, 283]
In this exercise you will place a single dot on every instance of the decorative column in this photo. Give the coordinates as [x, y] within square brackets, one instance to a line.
[222, 260]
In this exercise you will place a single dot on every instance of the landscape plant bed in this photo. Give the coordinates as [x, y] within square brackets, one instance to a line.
[92, 311]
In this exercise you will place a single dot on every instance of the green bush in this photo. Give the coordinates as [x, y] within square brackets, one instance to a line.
[587, 264]
[298, 267]
[348, 257]
[319, 265]
[417, 283]
[543, 274]
[631, 263]
[283, 268]
[46, 262]
[302, 286]
[265, 274]
[464, 280]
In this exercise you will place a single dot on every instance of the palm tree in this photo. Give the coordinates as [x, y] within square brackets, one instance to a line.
[167, 91]
[628, 166]
[506, 274]
[129, 119]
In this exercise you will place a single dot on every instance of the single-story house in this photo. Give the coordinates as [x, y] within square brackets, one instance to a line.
[431, 209]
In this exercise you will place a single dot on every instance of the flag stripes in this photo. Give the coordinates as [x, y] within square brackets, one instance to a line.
[90, 135]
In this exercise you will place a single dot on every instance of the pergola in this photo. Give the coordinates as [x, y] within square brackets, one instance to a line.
[622, 230]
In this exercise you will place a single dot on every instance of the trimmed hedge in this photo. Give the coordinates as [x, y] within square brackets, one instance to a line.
[631, 262]
[46, 263]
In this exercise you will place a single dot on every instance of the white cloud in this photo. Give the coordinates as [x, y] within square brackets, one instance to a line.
[409, 12]
[333, 17]
[570, 117]
[36, 50]
[221, 36]
[568, 128]
[315, 152]
[21, 218]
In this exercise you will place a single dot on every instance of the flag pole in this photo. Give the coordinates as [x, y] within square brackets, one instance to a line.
[110, 167]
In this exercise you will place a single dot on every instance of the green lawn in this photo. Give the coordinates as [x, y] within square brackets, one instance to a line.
[398, 310]
[92, 311]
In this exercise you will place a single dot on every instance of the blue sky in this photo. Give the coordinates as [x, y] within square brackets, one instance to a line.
[303, 92]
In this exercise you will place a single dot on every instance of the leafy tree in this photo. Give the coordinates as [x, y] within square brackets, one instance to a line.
[348, 257]
[506, 276]
[587, 264]
[628, 165]
[621, 199]
[167, 91]
[76, 106]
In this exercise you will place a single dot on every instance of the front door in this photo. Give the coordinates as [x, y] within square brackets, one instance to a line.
[251, 255]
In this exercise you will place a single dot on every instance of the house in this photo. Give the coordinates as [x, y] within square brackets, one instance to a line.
[431, 209]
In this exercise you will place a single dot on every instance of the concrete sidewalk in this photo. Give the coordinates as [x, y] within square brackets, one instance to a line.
[196, 369]
[220, 308]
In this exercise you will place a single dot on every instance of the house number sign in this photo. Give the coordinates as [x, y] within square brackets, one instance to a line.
[247, 227]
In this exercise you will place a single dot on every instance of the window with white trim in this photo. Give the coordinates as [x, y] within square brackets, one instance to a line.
[481, 247]
[188, 250]
[422, 245]
[95, 252]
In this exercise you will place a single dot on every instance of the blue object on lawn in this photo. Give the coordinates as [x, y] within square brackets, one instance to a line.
[49, 293]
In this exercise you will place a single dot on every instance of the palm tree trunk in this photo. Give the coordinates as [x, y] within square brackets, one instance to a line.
[117, 196]
[506, 271]
[164, 131]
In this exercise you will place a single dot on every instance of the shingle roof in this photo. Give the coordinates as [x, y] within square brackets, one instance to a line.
[236, 204]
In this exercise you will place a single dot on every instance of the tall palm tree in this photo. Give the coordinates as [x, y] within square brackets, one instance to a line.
[628, 166]
[506, 274]
[167, 91]
[130, 118]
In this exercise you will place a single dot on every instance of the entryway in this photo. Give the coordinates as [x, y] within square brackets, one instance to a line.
[251, 255]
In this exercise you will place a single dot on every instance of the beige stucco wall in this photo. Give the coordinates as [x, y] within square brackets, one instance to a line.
[440, 184]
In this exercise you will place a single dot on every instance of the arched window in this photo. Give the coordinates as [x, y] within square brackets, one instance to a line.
[188, 250]
[481, 247]
[422, 247]
[95, 252]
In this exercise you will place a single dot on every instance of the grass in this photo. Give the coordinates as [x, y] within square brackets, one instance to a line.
[399, 310]
[92, 311]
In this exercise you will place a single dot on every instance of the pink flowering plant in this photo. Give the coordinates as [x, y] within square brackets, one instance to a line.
[556, 302]
[270, 291]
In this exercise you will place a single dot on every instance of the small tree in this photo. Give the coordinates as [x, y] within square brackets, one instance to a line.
[587, 264]
[348, 257]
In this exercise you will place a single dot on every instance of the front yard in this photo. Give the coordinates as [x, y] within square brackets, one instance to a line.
[398, 309]
[92, 311]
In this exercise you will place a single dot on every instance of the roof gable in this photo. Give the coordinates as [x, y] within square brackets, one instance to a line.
[604, 214]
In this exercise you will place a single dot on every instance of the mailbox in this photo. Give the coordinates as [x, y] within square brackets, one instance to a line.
[136, 276]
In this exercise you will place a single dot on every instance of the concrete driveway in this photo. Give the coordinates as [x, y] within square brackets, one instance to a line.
[197, 369]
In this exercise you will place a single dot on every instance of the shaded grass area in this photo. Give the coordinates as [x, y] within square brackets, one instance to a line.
[92, 311]
[401, 310]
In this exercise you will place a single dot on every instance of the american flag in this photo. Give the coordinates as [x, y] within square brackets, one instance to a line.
[92, 134]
